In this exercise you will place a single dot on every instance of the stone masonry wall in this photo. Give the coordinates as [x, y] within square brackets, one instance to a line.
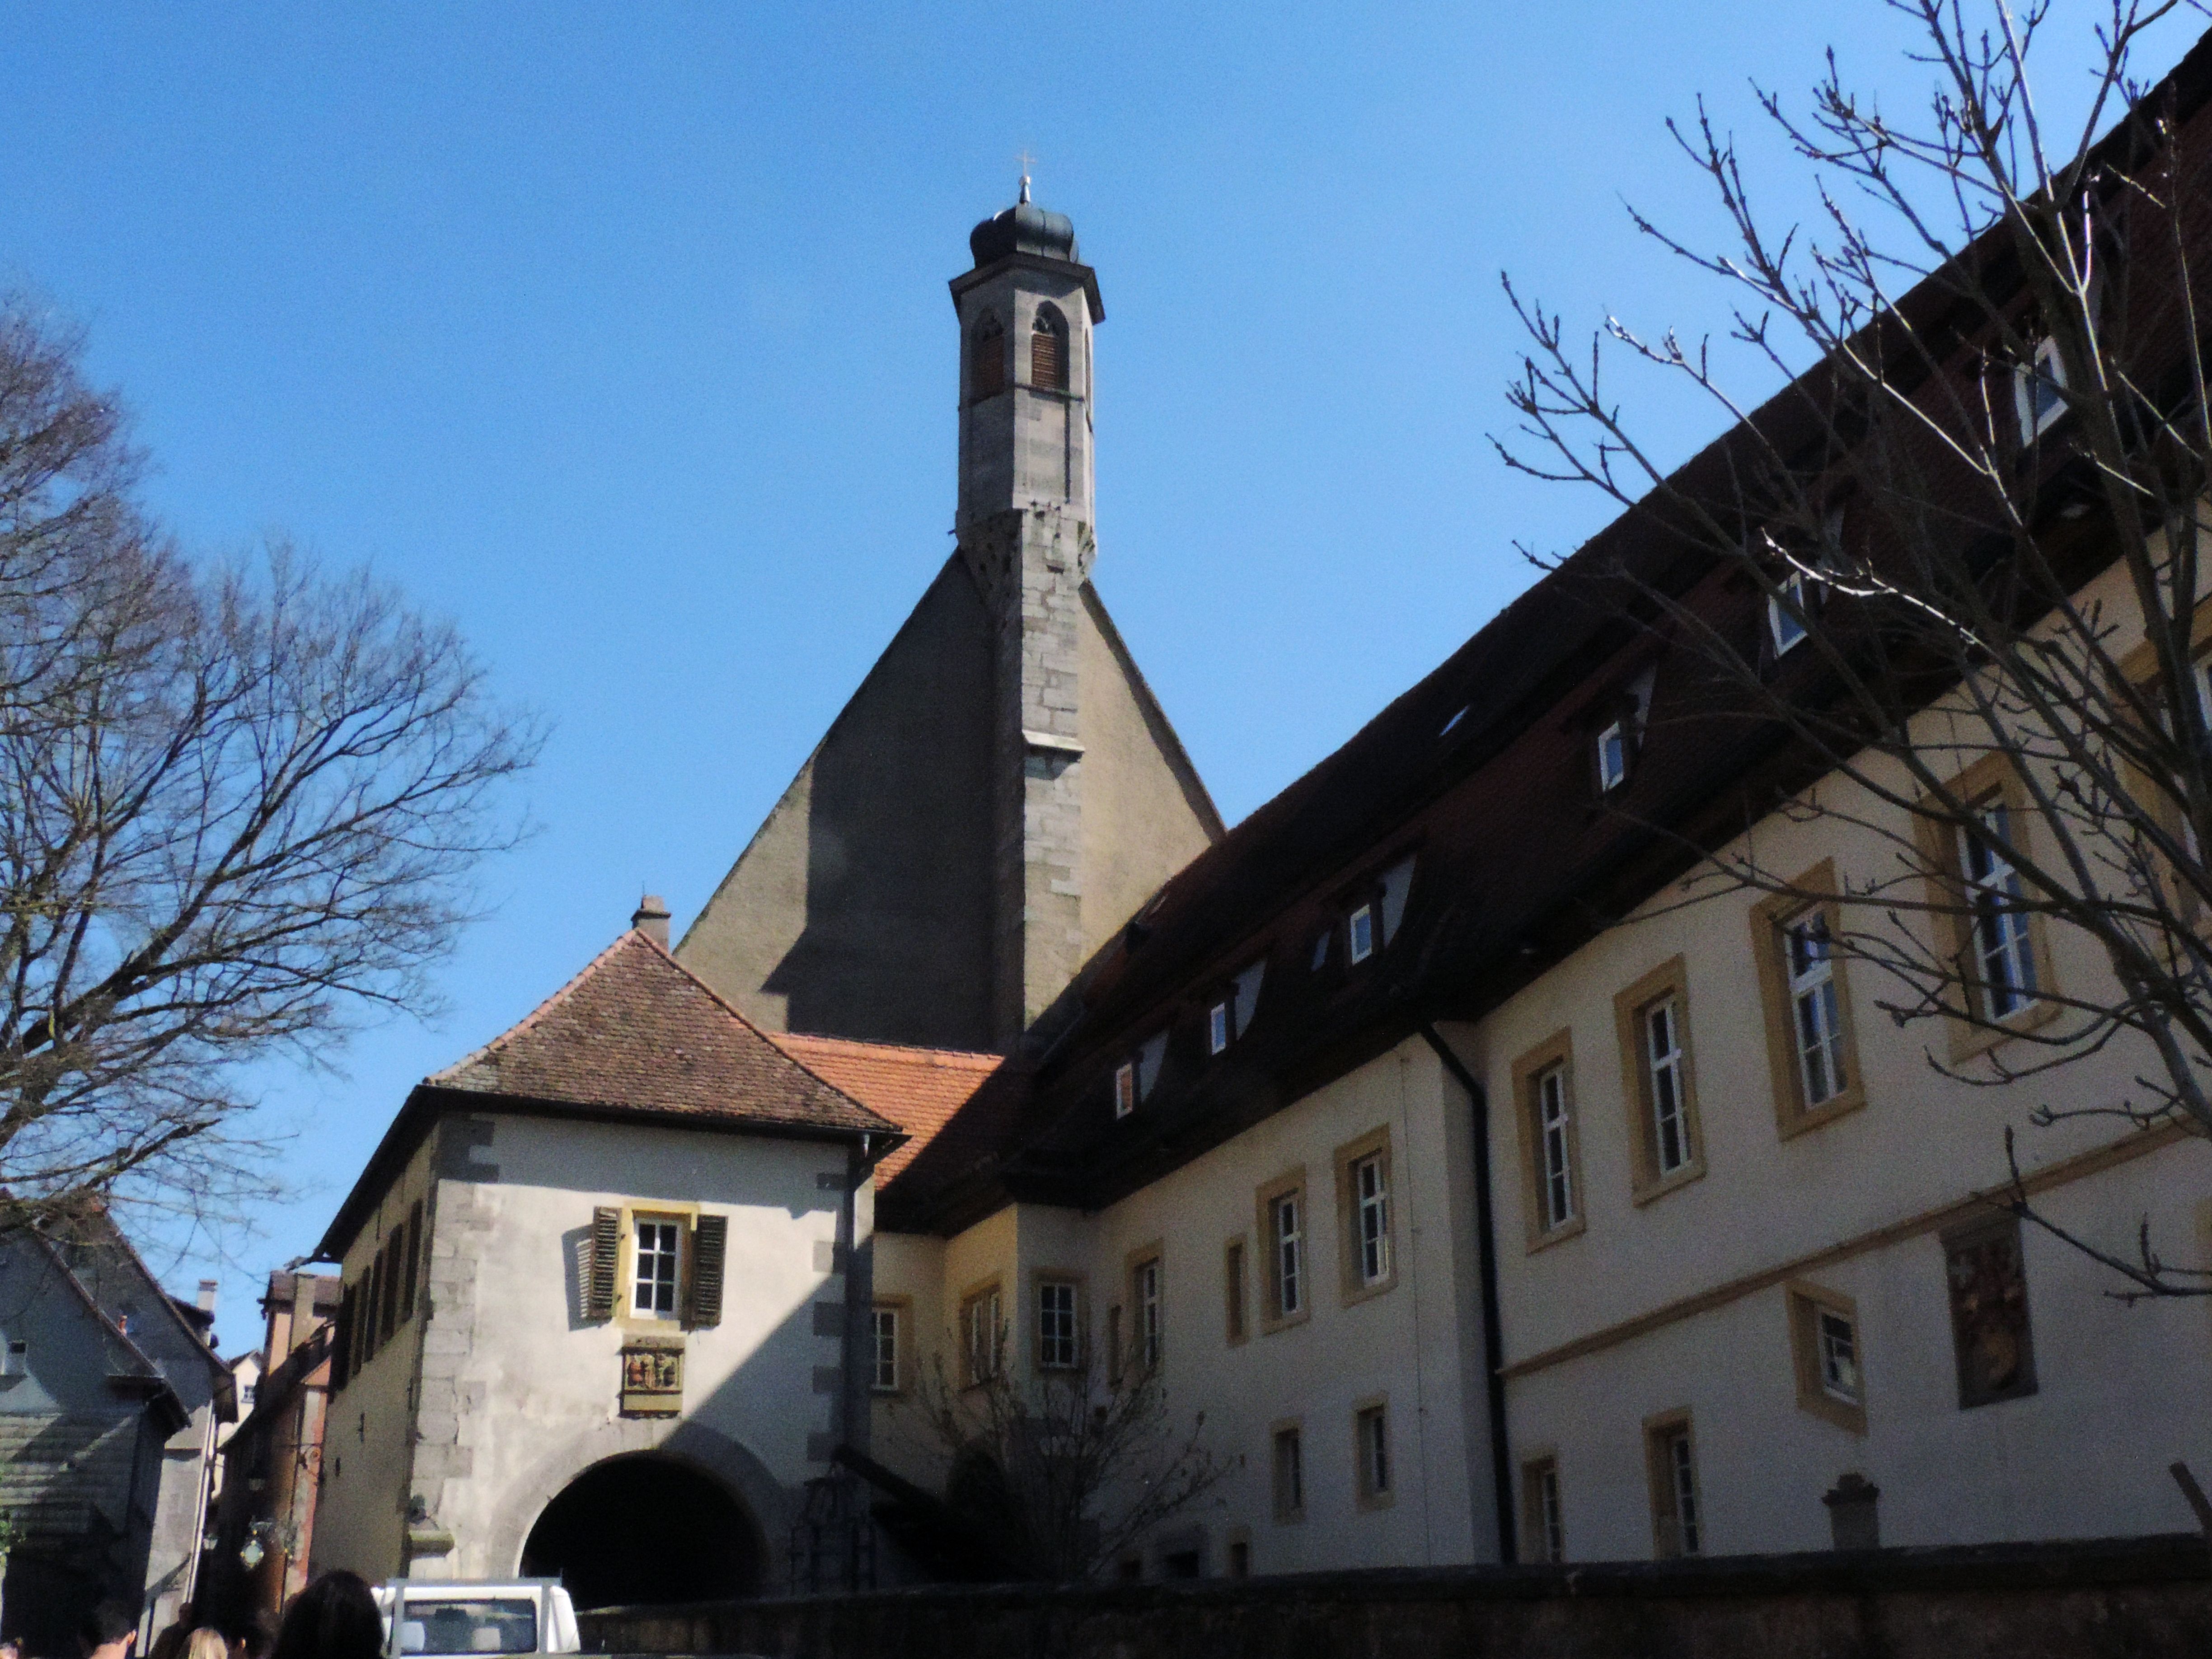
[2079, 1600]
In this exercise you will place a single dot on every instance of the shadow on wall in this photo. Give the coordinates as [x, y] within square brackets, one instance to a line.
[896, 946]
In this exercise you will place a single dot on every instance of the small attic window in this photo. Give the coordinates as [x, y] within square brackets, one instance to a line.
[2039, 391]
[1125, 1088]
[1453, 721]
[1361, 931]
[1321, 949]
[1613, 756]
[1216, 1028]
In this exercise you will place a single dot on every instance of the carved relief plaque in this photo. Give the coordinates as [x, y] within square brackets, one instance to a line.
[1989, 1312]
[652, 1376]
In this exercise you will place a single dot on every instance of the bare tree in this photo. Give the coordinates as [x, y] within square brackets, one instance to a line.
[1948, 581]
[238, 809]
[1064, 1470]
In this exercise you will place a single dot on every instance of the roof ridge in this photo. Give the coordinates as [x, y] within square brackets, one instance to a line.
[979, 1058]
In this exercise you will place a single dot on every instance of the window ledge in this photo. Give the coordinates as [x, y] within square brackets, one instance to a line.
[1558, 1235]
[1660, 1186]
[1271, 1325]
[1792, 1122]
[1355, 1293]
[1968, 1041]
[1826, 1407]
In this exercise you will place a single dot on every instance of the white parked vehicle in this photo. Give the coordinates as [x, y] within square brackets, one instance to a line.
[457, 1619]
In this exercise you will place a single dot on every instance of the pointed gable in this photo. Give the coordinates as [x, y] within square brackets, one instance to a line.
[634, 1032]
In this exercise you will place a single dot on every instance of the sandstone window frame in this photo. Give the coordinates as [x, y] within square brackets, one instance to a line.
[1543, 1519]
[1076, 1284]
[982, 1332]
[686, 1218]
[1237, 1306]
[1667, 987]
[1286, 1470]
[1266, 1199]
[1146, 1275]
[1808, 1305]
[1353, 1211]
[1771, 920]
[1992, 780]
[1555, 1053]
[1374, 1485]
[1679, 1522]
[1051, 366]
[901, 1310]
[2140, 668]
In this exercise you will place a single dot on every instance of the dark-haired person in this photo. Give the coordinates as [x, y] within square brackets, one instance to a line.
[334, 1618]
[108, 1632]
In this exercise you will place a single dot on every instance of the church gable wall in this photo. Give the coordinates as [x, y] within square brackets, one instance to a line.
[863, 908]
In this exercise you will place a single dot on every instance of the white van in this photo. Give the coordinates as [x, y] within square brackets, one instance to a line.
[435, 1619]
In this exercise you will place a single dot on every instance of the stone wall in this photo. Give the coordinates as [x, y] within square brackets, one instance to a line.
[2082, 1600]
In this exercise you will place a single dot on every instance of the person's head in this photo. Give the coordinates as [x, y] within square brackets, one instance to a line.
[108, 1632]
[251, 1637]
[11, 1648]
[207, 1643]
[334, 1618]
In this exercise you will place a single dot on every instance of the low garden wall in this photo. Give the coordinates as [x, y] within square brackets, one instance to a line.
[2081, 1600]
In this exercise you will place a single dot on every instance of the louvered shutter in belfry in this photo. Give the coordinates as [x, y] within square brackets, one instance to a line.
[606, 1245]
[1048, 359]
[709, 1246]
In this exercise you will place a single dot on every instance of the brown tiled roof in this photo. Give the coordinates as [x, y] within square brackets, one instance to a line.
[918, 1089]
[636, 1032]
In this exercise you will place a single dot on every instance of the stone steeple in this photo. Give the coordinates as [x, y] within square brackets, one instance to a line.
[1025, 526]
[1002, 792]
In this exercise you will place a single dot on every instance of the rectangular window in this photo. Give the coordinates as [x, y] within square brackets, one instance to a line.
[1370, 1433]
[982, 1335]
[2002, 958]
[1989, 1325]
[1816, 1017]
[1677, 1511]
[1371, 1198]
[1057, 1347]
[1544, 1534]
[1555, 1165]
[1216, 1028]
[1361, 930]
[1786, 612]
[15, 1360]
[1824, 1339]
[1612, 756]
[1232, 1275]
[1240, 1558]
[1287, 1247]
[659, 1250]
[1289, 1474]
[2039, 391]
[1125, 1088]
[1662, 1054]
[1145, 1295]
[884, 1368]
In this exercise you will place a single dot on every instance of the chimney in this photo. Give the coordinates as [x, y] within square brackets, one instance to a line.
[207, 1296]
[651, 919]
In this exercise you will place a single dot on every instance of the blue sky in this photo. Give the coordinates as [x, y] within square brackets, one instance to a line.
[619, 334]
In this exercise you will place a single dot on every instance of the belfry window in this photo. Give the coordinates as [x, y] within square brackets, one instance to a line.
[987, 372]
[1048, 350]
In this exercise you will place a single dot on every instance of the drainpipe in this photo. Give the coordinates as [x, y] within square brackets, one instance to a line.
[1494, 1338]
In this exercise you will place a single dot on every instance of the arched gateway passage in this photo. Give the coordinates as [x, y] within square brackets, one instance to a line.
[646, 1528]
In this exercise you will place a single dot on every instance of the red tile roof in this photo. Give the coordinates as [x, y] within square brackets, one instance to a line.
[920, 1089]
[636, 1032]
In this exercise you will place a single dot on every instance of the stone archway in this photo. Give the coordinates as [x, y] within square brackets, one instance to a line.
[680, 1440]
[646, 1528]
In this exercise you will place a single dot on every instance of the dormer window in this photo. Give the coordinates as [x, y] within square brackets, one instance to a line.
[1613, 756]
[1048, 350]
[1134, 1079]
[1786, 612]
[1216, 1028]
[987, 371]
[1125, 1088]
[1360, 930]
[2039, 391]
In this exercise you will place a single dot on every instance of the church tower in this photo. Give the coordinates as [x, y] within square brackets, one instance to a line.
[1002, 792]
[1025, 530]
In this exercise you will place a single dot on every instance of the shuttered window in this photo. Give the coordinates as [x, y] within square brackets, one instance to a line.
[1049, 351]
[413, 1281]
[710, 1244]
[606, 1247]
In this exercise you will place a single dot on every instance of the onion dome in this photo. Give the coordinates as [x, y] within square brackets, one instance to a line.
[1024, 227]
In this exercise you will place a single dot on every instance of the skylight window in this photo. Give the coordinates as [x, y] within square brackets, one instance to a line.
[1216, 1028]
[1361, 931]
[1613, 756]
[1453, 721]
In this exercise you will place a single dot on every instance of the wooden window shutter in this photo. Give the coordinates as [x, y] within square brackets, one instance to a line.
[988, 376]
[413, 1282]
[709, 1247]
[1047, 357]
[606, 1245]
[342, 1341]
